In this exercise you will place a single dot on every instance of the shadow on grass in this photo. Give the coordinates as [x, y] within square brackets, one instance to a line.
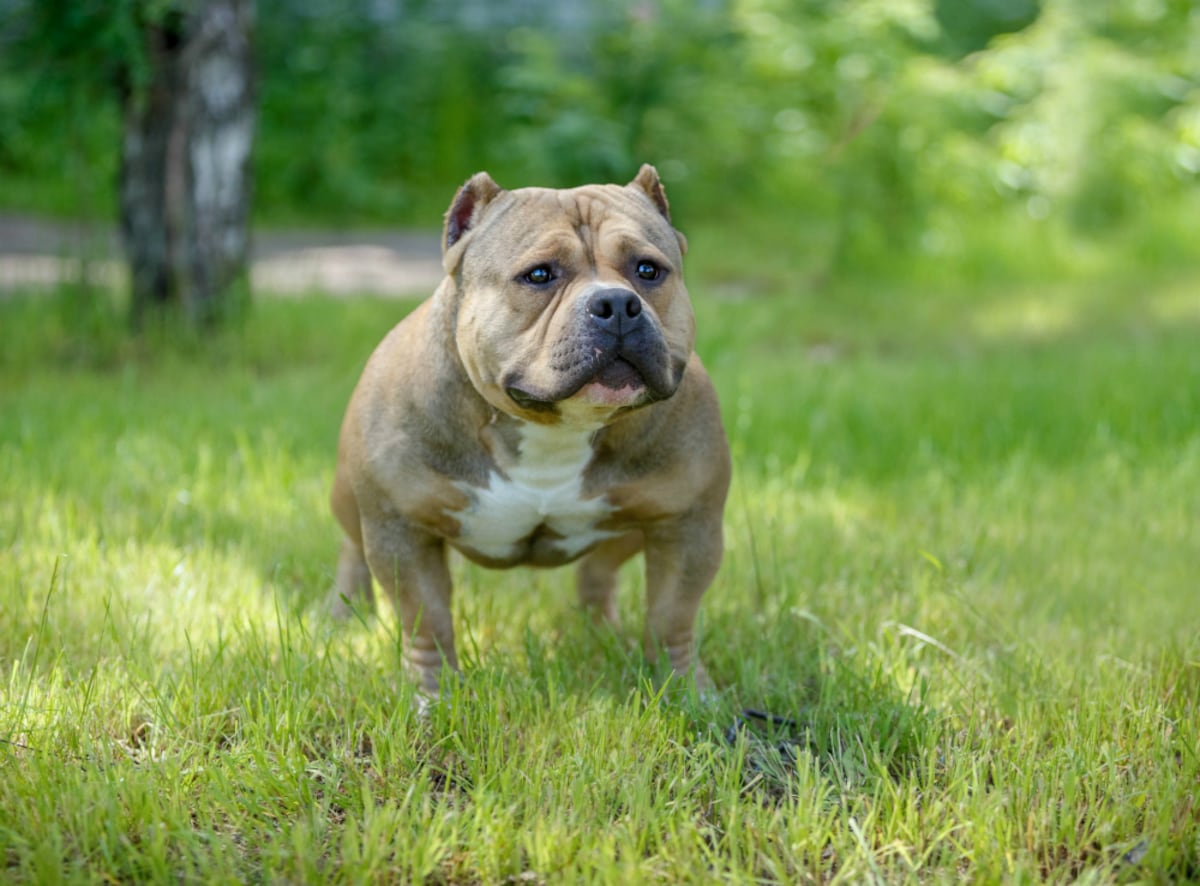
[851, 725]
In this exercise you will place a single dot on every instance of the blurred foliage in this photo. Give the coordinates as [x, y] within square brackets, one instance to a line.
[970, 25]
[856, 130]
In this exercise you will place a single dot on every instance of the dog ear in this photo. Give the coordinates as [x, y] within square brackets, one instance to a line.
[648, 182]
[464, 212]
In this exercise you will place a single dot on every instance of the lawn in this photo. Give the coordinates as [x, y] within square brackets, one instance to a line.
[963, 560]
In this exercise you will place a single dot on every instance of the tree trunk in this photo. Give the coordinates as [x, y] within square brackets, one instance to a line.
[185, 164]
[149, 121]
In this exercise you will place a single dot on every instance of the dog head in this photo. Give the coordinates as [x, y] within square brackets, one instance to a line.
[570, 305]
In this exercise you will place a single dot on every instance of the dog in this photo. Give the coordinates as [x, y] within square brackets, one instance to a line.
[544, 406]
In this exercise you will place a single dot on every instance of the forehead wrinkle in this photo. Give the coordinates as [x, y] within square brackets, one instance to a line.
[571, 206]
[591, 221]
[593, 205]
[629, 243]
[558, 243]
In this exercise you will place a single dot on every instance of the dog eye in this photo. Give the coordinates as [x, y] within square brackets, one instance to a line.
[648, 270]
[539, 276]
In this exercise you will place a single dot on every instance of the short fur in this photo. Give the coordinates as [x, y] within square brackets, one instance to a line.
[527, 424]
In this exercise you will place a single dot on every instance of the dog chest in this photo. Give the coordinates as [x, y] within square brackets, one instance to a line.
[537, 507]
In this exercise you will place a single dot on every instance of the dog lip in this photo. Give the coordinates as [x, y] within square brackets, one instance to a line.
[526, 400]
[613, 369]
[619, 373]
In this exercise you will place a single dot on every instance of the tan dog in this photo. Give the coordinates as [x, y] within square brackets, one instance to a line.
[543, 406]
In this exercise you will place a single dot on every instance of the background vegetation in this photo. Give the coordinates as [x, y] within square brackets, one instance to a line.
[981, 136]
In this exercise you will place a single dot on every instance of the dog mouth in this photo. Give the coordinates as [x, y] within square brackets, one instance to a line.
[618, 385]
[618, 382]
[618, 374]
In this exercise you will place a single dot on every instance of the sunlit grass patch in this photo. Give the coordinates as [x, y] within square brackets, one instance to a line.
[961, 567]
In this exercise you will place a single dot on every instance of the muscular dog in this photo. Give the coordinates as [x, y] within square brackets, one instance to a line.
[545, 405]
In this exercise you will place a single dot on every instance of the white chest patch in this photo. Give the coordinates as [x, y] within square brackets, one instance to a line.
[543, 488]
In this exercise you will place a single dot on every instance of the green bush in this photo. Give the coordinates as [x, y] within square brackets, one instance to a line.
[903, 130]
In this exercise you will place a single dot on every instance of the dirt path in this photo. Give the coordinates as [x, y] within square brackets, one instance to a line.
[36, 253]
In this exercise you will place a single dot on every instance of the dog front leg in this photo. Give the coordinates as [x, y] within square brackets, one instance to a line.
[413, 570]
[682, 558]
[596, 578]
[353, 585]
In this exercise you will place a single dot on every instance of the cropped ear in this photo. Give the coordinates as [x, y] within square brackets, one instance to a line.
[465, 211]
[648, 182]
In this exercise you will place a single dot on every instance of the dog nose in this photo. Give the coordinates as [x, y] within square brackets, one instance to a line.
[614, 310]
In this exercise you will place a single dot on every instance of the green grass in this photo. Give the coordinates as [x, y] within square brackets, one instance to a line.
[963, 555]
